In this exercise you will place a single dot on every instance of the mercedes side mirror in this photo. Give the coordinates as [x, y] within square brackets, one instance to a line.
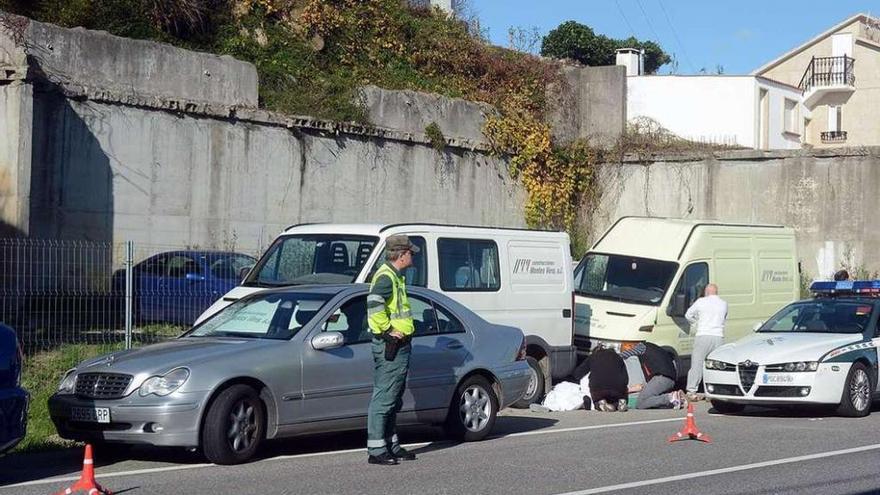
[327, 340]
[757, 326]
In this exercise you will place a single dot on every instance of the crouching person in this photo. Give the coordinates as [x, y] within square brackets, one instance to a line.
[659, 368]
[608, 380]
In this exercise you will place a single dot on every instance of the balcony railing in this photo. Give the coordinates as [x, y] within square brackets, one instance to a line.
[828, 71]
[833, 136]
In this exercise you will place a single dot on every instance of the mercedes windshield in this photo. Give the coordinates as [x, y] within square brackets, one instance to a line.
[624, 278]
[277, 316]
[312, 259]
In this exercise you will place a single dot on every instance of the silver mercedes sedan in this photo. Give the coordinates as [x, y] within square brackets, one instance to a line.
[287, 362]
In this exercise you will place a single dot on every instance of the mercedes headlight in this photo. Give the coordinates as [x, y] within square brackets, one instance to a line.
[68, 383]
[165, 384]
[801, 366]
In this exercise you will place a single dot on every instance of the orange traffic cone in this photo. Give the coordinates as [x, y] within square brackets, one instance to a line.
[690, 430]
[86, 481]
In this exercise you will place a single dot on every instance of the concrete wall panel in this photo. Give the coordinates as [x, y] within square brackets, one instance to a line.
[112, 172]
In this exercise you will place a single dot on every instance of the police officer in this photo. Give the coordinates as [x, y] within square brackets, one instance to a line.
[392, 327]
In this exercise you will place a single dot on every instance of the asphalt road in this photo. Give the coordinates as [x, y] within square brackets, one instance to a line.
[760, 452]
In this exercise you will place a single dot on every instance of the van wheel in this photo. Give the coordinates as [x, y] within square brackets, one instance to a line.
[473, 410]
[857, 393]
[681, 369]
[234, 426]
[535, 390]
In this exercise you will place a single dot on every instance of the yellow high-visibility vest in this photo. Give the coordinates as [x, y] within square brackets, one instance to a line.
[392, 313]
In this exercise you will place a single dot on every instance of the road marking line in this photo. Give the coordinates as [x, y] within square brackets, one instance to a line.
[582, 428]
[732, 469]
[334, 452]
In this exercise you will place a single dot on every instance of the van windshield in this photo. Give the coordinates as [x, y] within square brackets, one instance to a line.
[312, 259]
[624, 278]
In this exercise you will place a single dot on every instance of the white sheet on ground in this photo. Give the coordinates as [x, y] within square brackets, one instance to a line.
[565, 396]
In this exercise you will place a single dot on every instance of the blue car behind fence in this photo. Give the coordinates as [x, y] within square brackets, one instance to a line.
[13, 399]
[177, 286]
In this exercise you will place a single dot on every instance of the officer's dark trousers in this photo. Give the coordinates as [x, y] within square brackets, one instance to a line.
[389, 381]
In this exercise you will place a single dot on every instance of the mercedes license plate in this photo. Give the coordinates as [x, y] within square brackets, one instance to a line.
[91, 414]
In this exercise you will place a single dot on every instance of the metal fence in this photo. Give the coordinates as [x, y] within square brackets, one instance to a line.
[58, 292]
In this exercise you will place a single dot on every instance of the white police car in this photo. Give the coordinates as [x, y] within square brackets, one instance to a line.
[816, 351]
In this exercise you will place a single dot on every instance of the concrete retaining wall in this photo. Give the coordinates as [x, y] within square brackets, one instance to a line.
[114, 172]
[79, 58]
[413, 111]
[829, 197]
[111, 139]
[15, 148]
[590, 104]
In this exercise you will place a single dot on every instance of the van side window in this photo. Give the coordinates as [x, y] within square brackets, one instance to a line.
[417, 274]
[692, 282]
[468, 265]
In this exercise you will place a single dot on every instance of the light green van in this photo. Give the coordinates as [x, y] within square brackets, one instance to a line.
[639, 278]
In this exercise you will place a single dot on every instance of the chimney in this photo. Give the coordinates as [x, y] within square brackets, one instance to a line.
[448, 6]
[633, 59]
[444, 5]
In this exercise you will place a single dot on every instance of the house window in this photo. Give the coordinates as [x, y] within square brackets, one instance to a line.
[835, 133]
[835, 118]
[791, 116]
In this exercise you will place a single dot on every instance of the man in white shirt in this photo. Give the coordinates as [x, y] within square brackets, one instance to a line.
[707, 315]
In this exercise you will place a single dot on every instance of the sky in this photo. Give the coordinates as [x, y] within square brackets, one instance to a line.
[739, 35]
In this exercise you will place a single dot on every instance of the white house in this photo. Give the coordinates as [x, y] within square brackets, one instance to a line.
[749, 110]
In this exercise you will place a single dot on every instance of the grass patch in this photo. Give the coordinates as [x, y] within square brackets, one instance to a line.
[157, 332]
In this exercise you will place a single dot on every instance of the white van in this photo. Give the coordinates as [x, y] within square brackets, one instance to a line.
[639, 278]
[515, 277]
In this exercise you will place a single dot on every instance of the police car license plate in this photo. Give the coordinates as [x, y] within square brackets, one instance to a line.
[778, 379]
[90, 414]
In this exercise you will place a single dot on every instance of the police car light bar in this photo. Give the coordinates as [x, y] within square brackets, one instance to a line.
[871, 287]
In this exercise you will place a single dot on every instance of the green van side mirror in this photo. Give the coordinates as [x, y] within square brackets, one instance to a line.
[676, 306]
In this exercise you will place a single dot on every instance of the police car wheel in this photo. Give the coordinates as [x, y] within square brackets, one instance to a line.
[727, 407]
[473, 410]
[857, 392]
[535, 391]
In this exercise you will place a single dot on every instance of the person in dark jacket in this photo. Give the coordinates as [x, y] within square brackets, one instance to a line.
[608, 380]
[659, 368]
